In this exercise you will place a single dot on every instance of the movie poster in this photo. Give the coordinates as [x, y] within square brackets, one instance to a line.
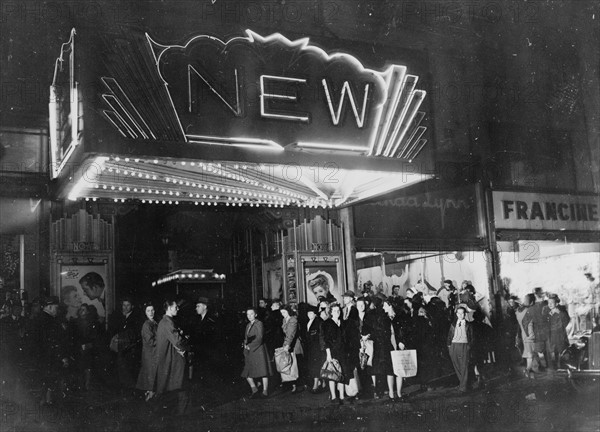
[274, 279]
[322, 279]
[81, 284]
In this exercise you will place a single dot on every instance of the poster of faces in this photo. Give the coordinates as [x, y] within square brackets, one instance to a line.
[321, 280]
[81, 284]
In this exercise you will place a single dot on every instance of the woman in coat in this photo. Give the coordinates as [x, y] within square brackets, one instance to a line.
[558, 319]
[393, 338]
[170, 351]
[526, 324]
[315, 358]
[256, 359]
[147, 377]
[335, 345]
[291, 341]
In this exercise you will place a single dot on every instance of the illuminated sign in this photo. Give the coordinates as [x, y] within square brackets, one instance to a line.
[64, 119]
[270, 92]
[519, 210]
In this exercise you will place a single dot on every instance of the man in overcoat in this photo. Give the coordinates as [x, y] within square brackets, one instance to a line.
[171, 347]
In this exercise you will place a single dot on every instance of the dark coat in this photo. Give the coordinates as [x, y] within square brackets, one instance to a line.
[335, 339]
[170, 361]
[273, 333]
[256, 359]
[314, 355]
[469, 328]
[378, 326]
[147, 376]
[88, 340]
[53, 342]
[428, 353]
[557, 323]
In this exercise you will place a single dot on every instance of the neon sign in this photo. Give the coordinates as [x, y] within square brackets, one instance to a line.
[64, 119]
[271, 92]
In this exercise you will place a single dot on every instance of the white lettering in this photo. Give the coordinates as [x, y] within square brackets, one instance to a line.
[346, 90]
[278, 96]
[235, 109]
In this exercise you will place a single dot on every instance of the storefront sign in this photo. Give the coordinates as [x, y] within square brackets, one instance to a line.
[531, 211]
[448, 214]
[271, 92]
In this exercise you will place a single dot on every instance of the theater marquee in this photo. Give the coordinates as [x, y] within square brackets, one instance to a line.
[252, 120]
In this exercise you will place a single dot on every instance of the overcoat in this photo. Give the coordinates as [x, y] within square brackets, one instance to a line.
[147, 376]
[170, 346]
[256, 360]
[315, 357]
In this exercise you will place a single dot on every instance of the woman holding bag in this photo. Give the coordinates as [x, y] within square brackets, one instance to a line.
[291, 343]
[334, 343]
[394, 339]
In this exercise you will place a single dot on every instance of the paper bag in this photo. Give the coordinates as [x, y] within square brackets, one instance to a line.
[404, 363]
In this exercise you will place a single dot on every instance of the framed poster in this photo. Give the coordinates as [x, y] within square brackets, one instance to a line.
[88, 282]
[273, 279]
[323, 277]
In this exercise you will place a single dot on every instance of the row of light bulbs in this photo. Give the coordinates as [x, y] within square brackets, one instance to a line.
[214, 203]
[187, 276]
[210, 167]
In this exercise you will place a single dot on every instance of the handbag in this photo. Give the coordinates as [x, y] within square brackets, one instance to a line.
[404, 362]
[283, 360]
[332, 370]
[114, 343]
[365, 354]
[363, 357]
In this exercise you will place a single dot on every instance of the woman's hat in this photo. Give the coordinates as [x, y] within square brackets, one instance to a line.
[51, 300]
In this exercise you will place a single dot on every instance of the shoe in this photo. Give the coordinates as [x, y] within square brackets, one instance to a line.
[255, 395]
[314, 391]
[375, 395]
[335, 401]
[341, 401]
[264, 395]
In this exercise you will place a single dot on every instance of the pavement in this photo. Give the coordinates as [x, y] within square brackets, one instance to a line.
[221, 403]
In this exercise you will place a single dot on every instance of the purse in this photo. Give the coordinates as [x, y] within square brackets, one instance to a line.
[332, 370]
[363, 358]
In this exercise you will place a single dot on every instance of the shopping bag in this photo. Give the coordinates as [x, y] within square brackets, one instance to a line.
[291, 374]
[369, 351]
[404, 362]
[353, 387]
[283, 360]
[332, 370]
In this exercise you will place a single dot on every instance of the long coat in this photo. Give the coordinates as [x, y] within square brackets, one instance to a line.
[256, 359]
[170, 361]
[291, 335]
[334, 337]
[557, 323]
[314, 355]
[147, 376]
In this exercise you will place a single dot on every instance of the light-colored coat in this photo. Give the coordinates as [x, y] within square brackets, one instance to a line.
[257, 362]
[170, 360]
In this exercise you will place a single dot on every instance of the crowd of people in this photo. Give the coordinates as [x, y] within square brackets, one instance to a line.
[360, 334]
[343, 349]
